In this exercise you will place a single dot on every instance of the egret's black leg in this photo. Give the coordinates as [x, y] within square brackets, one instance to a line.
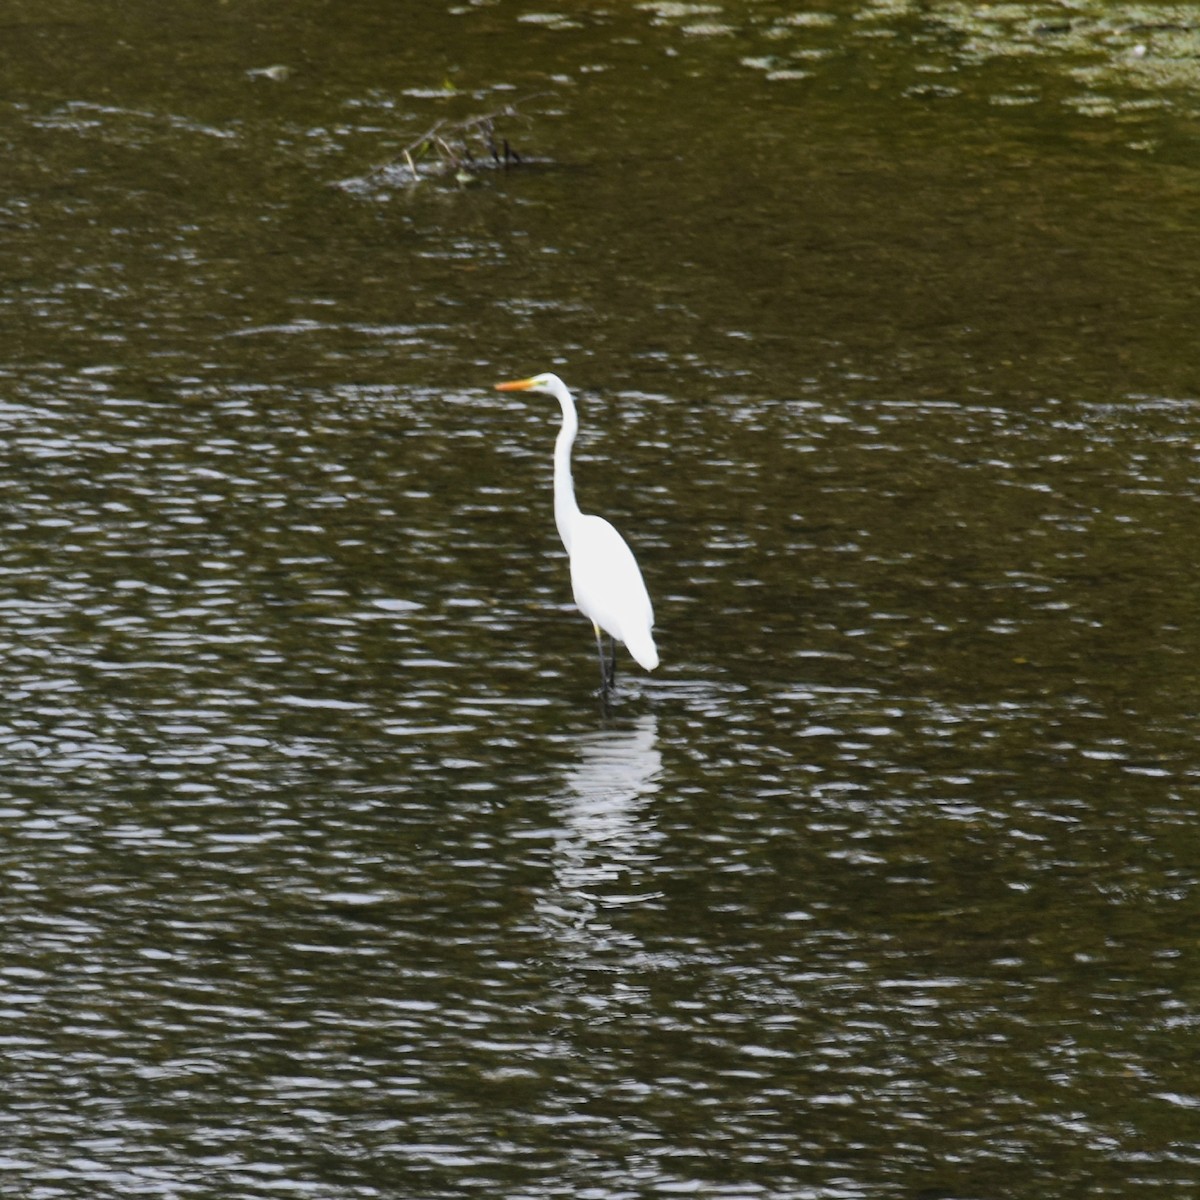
[612, 662]
[603, 666]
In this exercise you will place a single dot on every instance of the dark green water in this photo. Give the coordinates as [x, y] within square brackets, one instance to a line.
[321, 872]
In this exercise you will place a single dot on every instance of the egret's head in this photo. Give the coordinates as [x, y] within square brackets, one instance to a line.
[547, 383]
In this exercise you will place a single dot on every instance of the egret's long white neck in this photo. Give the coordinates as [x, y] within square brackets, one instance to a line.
[566, 510]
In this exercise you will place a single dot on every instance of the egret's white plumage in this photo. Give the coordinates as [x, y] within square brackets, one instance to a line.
[605, 578]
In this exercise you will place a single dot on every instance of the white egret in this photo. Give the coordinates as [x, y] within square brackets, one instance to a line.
[605, 578]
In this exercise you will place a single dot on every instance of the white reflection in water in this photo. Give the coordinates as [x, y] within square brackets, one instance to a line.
[603, 843]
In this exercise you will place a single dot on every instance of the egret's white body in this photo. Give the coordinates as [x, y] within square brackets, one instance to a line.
[605, 578]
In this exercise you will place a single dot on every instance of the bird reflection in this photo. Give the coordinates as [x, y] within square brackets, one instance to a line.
[603, 850]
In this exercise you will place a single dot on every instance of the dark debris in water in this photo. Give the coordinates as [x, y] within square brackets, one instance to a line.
[457, 152]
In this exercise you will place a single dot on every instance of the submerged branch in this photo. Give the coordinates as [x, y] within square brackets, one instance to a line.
[456, 149]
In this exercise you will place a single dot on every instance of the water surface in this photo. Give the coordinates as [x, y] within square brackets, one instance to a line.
[324, 873]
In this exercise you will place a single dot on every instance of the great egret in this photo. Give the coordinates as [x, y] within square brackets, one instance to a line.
[605, 577]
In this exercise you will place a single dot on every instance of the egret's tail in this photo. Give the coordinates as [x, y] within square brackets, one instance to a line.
[644, 651]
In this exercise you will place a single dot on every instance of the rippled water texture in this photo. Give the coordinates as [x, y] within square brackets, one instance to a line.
[322, 871]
